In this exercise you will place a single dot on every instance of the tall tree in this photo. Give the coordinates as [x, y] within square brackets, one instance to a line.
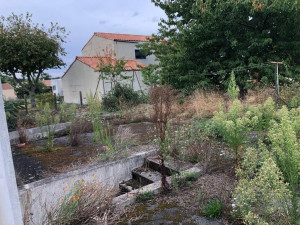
[28, 49]
[208, 39]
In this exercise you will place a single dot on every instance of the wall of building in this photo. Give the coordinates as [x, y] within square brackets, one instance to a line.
[9, 94]
[57, 87]
[79, 77]
[97, 46]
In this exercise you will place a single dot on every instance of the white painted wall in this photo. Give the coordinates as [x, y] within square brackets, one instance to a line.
[79, 77]
[97, 46]
[10, 209]
[56, 85]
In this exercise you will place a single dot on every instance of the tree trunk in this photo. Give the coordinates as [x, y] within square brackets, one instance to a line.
[32, 98]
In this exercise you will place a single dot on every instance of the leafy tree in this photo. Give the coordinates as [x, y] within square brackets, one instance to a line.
[28, 49]
[208, 39]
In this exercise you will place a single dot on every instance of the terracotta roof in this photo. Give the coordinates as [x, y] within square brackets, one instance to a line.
[123, 37]
[6, 86]
[94, 61]
[47, 83]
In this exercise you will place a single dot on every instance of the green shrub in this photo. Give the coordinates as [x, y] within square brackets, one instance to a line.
[291, 95]
[263, 199]
[120, 95]
[184, 179]
[66, 112]
[233, 90]
[213, 208]
[12, 109]
[44, 98]
[145, 196]
[235, 126]
[45, 119]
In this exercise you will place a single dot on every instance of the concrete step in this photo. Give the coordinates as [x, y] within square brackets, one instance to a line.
[147, 173]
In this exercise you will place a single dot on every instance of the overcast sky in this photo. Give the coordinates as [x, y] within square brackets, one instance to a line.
[84, 17]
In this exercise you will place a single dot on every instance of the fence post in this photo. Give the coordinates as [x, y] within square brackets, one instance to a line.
[26, 105]
[55, 102]
[80, 95]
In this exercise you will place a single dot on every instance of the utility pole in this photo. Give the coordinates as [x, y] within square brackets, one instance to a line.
[276, 81]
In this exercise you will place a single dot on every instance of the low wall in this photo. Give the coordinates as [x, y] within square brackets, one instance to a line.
[50, 190]
[35, 133]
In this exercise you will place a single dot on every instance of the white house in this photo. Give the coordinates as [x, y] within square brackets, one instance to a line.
[82, 76]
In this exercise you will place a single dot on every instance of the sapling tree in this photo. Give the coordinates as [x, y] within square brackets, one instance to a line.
[233, 89]
[28, 49]
[161, 98]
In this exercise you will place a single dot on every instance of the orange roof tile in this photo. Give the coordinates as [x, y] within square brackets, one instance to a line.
[94, 61]
[123, 37]
[6, 86]
[47, 83]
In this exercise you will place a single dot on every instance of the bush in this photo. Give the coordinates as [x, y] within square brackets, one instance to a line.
[44, 98]
[12, 109]
[263, 199]
[120, 95]
[213, 208]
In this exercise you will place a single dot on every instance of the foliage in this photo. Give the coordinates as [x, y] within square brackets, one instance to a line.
[205, 40]
[263, 198]
[184, 179]
[47, 123]
[234, 126]
[66, 112]
[29, 49]
[145, 196]
[290, 95]
[122, 95]
[213, 208]
[44, 98]
[21, 90]
[264, 112]
[12, 109]
[233, 89]
[84, 203]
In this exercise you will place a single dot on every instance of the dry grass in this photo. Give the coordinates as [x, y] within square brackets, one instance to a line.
[255, 97]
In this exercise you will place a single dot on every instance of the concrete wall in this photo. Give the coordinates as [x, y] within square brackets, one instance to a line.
[80, 77]
[97, 46]
[10, 210]
[51, 190]
[35, 133]
[9, 94]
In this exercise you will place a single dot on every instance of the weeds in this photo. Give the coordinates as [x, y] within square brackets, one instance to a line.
[213, 208]
[161, 99]
[145, 196]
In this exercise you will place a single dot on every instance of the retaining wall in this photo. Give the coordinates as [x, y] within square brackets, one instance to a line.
[35, 133]
[33, 196]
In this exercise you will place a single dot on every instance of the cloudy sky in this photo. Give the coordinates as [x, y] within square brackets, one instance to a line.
[84, 17]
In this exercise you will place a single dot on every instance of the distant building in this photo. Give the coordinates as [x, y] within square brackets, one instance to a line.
[55, 85]
[8, 92]
[82, 76]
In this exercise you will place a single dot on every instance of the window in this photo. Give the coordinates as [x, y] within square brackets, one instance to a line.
[53, 87]
[139, 54]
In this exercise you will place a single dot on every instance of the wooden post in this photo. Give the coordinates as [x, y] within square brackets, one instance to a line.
[80, 96]
[26, 105]
[55, 102]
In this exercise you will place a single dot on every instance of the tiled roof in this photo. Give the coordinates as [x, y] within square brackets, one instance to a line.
[123, 37]
[6, 86]
[47, 83]
[94, 61]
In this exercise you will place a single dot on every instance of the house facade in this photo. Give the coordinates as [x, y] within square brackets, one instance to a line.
[82, 76]
[8, 92]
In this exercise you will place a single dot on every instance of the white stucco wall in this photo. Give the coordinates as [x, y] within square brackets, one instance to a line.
[97, 46]
[57, 85]
[79, 77]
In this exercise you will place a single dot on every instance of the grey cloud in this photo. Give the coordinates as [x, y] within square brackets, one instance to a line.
[102, 22]
[155, 19]
[136, 14]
